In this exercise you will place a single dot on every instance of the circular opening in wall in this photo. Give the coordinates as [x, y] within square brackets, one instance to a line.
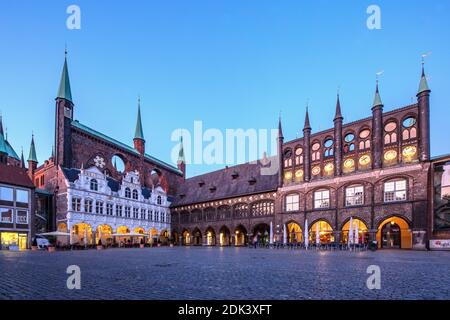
[118, 163]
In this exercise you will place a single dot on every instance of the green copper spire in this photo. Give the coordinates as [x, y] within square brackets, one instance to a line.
[32, 155]
[423, 86]
[64, 91]
[22, 160]
[377, 101]
[181, 152]
[139, 134]
[2, 138]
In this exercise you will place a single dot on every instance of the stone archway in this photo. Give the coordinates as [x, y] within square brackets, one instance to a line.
[261, 234]
[325, 232]
[394, 233]
[363, 231]
[186, 236]
[224, 236]
[240, 236]
[210, 236]
[103, 235]
[294, 232]
[197, 237]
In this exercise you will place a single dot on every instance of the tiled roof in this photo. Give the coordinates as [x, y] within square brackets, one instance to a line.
[15, 176]
[73, 174]
[235, 181]
[124, 146]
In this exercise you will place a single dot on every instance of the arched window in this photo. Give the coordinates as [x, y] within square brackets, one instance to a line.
[354, 195]
[127, 193]
[364, 139]
[292, 202]
[390, 135]
[94, 185]
[328, 146]
[287, 156]
[315, 154]
[224, 213]
[395, 190]
[349, 143]
[322, 199]
[135, 194]
[298, 156]
[159, 200]
[409, 128]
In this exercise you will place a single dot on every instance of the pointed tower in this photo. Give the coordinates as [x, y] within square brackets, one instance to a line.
[64, 117]
[423, 100]
[338, 120]
[32, 160]
[139, 141]
[280, 141]
[307, 147]
[377, 130]
[3, 149]
[22, 160]
[181, 163]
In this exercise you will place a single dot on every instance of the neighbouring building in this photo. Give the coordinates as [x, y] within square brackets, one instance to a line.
[16, 199]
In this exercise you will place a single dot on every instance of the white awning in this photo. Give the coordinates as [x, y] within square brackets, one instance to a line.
[129, 235]
[54, 234]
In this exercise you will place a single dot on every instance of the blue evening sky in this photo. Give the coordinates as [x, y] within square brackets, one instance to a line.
[229, 63]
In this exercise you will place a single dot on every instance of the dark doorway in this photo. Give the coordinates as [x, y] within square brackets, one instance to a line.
[391, 236]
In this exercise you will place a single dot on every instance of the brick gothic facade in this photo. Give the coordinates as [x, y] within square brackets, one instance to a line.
[375, 171]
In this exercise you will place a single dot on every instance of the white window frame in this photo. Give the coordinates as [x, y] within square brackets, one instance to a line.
[292, 202]
[2, 193]
[1, 215]
[17, 216]
[356, 198]
[321, 199]
[25, 192]
[396, 193]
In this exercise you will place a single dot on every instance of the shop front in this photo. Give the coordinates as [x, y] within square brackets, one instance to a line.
[14, 241]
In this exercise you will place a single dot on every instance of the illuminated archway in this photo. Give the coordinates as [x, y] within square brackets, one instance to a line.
[104, 233]
[62, 227]
[210, 237]
[164, 237]
[362, 231]
[123, 230]
[240, 235]
[175, 237]
[197, 237]
[224, 236]
[325, 232]
[82, 234]
[394, 232]
[186, 238]
[294, 233]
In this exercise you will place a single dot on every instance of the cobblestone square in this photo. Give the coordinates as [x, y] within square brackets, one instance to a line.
[224, 273]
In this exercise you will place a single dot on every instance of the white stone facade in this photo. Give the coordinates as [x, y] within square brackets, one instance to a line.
[91, 201]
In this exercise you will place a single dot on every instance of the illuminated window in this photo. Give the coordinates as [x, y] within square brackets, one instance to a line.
[299, 175]
[390, 155]
[292, 202]
[298, 156]
[315, 152]
[365, 160]
[354, 196]
[391, 135]
[395, 190]
[287, 158]
[241, 210]
[76, 204]
[329, 169]
[409, 153]
[349, 165]
[288, 175]
[315, 171]
[322, 199]
[94, 185]
[262, 208]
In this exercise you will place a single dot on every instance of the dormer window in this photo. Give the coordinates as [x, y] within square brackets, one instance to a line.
[182, 195]
[201, 183]
[212, 188]
[159, 200]
[235, 175]
[94, 185]
[252, 181]
[127, 193]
